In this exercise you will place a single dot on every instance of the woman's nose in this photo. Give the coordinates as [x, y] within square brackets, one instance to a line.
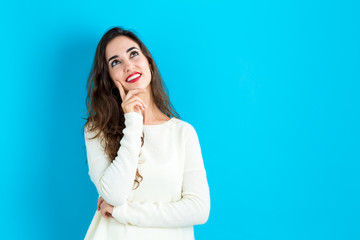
[128, 66]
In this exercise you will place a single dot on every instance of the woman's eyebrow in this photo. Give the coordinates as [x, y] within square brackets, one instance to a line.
[115, 56]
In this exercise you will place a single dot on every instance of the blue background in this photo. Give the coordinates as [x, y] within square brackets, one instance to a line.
[271, 87]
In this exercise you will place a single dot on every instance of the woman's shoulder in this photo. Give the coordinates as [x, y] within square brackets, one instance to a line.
[90, 131]
[183, 125]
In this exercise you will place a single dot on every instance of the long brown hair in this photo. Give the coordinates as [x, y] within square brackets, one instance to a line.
[103, 101]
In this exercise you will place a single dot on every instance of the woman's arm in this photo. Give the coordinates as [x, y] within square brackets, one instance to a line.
[192, 209]
[114, 181]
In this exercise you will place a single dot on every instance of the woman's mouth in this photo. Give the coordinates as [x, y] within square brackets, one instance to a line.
[133, 78]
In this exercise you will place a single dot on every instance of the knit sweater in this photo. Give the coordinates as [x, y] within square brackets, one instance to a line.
[174, 193]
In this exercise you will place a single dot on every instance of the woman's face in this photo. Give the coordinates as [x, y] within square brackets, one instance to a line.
[124, 58]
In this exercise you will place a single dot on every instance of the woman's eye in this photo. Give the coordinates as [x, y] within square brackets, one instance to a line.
[134, 52]
[114, 63]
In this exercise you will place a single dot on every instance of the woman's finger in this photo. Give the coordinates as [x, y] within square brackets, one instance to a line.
[132, 99]
[100, 200]
[106, 209]
[121, 90]
[124, 96]
[102, 209]
[134, 105]
[133, 92]
[103, 213]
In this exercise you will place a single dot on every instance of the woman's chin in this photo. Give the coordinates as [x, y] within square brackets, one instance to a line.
[140, 85]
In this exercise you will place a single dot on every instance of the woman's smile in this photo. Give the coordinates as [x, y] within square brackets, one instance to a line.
[133, 77]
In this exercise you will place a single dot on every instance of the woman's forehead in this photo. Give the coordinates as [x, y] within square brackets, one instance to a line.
[120, 45]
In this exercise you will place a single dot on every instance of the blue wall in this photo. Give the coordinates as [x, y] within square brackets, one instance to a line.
[272, 88]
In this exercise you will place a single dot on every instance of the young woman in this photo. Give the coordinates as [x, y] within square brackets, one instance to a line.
[144, 161]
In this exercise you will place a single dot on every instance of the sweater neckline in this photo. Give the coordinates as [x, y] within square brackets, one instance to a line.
[159, 125]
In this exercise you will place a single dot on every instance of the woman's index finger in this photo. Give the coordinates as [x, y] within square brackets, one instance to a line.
[121, 90]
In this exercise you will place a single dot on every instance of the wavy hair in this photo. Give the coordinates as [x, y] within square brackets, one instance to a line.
[104, 112]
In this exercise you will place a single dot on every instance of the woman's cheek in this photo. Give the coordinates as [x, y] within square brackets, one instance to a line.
[118, 76]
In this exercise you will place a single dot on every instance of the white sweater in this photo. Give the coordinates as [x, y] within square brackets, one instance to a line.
[174, 194]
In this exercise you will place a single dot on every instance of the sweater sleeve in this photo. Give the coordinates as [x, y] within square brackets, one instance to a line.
[114, 180]
[192, 209]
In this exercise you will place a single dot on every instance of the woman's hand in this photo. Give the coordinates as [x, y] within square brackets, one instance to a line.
[105, 208]
[131, 102]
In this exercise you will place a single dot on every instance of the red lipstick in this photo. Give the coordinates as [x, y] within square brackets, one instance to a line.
[131, 75]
